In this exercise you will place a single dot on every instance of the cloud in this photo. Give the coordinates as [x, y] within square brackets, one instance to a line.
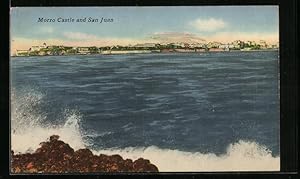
[169, 37]
[208, 25]
[79, 36]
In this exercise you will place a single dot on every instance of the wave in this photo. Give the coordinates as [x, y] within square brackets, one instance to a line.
[240, 156]
[28, 127]
[28, 130]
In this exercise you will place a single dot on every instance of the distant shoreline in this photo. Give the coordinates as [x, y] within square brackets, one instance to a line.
[170, 52]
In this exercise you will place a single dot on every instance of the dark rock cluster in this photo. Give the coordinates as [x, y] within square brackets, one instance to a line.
[55, 156]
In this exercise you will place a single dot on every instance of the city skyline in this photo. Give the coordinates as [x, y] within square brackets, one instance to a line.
[135, 25]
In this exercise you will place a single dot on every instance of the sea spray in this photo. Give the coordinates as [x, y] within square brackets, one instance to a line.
[27, 123]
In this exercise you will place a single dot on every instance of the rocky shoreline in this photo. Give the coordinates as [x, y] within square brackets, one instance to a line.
[55, 156]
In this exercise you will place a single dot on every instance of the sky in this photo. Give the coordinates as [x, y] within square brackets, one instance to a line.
[133, 25]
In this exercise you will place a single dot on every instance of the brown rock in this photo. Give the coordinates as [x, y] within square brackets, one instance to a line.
[144, 165]
[32, 170]
[17, 170]
[30, 165]
[83, 153]
[54, 138]
[55, 156]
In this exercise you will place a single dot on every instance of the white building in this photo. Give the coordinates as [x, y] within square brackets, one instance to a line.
[197, 45]
[37, 48]
[83, 50]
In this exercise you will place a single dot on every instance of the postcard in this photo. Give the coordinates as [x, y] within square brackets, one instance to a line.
[144, 89]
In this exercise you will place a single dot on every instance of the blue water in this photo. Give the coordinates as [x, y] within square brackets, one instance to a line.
[195, 102]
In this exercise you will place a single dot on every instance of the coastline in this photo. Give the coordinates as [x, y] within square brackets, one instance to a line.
[165, 52]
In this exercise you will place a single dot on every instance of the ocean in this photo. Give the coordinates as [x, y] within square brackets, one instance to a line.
[214, 111]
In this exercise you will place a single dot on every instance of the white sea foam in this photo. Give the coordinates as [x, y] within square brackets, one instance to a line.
[28, 131]
[240, 156]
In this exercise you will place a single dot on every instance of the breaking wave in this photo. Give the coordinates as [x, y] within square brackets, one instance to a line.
[28, 130]
[28, 127]
[240, 156]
